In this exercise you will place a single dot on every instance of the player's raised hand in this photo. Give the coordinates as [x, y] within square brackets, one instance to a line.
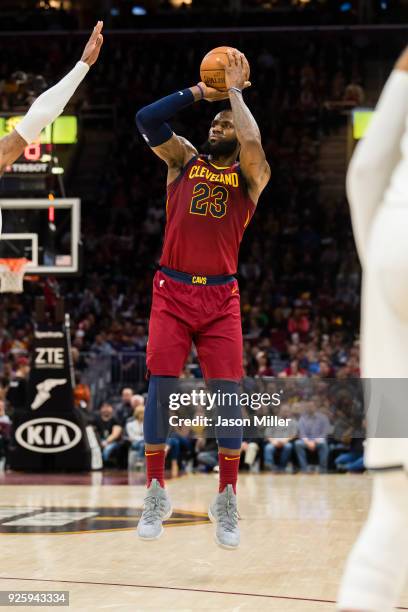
[214, 95]
[211, 94]
[236, 69]
[93, 46]
[402, 62]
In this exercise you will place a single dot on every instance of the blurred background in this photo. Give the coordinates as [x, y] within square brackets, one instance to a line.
[130, 14]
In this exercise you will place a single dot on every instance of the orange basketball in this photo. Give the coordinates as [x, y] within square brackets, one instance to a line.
[210, 71]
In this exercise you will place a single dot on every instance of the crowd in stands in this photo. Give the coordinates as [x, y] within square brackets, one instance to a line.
[299, 274]
[31, 15]
[318, 427]
[323, 432]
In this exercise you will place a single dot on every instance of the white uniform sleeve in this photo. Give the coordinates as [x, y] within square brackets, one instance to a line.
[376, 156]
[50, 104]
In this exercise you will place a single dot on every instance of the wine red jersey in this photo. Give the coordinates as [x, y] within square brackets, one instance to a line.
[208, 209]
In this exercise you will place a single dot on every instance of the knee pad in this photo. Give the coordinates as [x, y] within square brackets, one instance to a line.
[229, 435]
[378, 564]
[156, 416]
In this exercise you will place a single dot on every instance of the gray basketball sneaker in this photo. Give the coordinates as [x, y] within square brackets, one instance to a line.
[223, 512]
[157, 508]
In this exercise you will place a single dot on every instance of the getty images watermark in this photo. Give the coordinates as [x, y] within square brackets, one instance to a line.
[209, 401]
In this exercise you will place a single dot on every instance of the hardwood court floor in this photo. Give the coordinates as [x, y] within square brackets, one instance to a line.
[296, 532]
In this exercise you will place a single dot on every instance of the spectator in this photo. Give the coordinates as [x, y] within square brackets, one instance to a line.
[82, 392]
[17, 393]
[353, 459]
[5, 430]
[109, 431]
[279, 441]
[125, 410]
[293, 370]
[354, 94]
[298, 323]
[264, 364]
[314, 427]
[249, 453]
[101, 346]
[207, 454]
[140, 338]
[339, 435]
[134, 433]
[127, 352]
[325, 369]
[173, 452]
[4, 418]
[180, 447]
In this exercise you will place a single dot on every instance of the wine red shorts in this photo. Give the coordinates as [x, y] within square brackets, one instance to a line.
[207, 314]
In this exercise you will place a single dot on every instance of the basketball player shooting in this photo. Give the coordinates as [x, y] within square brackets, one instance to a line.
[377, 186]
[50, 104]
[210, 201]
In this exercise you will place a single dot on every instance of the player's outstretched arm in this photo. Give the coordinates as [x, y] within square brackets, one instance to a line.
[50, 104]
[377, 154]
[252, 156]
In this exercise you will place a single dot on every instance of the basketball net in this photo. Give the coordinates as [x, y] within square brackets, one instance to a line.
[12, 274]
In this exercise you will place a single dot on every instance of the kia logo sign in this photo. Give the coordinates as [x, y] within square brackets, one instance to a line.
[48, 435]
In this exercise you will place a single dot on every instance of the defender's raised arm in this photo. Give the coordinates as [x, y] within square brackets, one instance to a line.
[50, 104]
[377, 154]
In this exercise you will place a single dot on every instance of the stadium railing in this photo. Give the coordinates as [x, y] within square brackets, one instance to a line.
[106, 374]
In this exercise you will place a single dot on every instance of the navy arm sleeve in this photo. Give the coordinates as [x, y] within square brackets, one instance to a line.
[152, 120]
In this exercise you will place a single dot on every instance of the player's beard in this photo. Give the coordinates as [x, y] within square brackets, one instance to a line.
[221, 148]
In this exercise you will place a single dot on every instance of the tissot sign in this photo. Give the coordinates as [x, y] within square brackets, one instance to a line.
[49, 433]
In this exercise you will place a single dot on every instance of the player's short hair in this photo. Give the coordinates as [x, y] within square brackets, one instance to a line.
[224, 111]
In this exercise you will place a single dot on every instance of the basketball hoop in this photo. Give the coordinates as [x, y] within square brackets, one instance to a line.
[12, 274]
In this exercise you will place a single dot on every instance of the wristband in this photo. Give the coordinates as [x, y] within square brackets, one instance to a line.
[237, 89]
[202, 91]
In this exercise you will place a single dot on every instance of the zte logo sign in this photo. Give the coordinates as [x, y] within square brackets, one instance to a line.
[49, 358]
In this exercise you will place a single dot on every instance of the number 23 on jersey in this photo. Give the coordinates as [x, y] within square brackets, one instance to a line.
[207, 200]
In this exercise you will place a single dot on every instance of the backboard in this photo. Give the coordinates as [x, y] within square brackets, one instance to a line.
[47, 232]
